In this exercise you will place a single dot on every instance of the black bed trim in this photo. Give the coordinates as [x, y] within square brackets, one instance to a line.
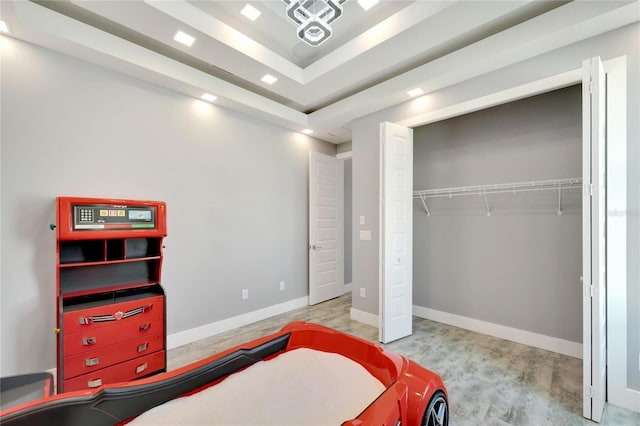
[112, 406]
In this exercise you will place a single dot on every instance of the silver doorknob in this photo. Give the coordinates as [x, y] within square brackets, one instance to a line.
[315, 247]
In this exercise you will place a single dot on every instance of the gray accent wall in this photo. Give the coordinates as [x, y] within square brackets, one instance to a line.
[236, 192]
[365, 139]
[348, 228]
[520, 266]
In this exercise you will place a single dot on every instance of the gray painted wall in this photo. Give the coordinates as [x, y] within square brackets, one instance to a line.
[343, 147]
[519, 267]
[366, 176]
[236, 192]
[348, 228]
[365, 139]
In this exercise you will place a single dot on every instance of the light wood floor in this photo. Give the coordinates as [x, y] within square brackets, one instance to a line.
[490, 381]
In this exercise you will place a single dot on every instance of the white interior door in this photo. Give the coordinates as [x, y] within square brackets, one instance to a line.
[326, 227]
[396, 232]
[594, 238]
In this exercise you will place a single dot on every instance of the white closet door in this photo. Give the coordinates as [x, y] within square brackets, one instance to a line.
[326, 227]
[594, 238]
[396, 232]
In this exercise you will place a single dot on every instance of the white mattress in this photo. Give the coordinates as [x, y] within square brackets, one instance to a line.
[299, 387]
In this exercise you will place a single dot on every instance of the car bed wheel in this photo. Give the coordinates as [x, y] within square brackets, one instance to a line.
[437, 412]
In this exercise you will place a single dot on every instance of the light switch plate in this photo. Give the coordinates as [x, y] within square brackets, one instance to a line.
[365, 235]
[361, 220]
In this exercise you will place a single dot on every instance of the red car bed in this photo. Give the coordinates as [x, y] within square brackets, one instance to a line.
[303, 374]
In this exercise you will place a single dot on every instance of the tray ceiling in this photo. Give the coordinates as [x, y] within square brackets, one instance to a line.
[372, 59]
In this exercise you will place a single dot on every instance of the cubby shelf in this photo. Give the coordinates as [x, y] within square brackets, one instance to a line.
[109, 289]
[106, 262]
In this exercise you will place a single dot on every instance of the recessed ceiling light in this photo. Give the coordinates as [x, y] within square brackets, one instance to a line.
[208, 97]
[250, 12]
[4, 28]
[367, 4]
[415, 92]
[184, 38]
[269, 79]
[307, 131]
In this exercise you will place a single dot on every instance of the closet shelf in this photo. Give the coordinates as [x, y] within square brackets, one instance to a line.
[484, 190]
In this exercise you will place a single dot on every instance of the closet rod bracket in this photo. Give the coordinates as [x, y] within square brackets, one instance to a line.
[559, 200]
[486, 203]
[424, 204]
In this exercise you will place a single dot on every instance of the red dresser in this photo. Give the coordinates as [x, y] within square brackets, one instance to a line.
[111, 306]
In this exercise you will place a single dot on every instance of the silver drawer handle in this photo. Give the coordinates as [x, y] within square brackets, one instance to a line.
[94, 383]
[116, 316]
[86, 341]
[141, 368]
[143, 347]
[90, 362]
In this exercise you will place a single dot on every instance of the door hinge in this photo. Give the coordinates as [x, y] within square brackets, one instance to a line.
[591, 189]
[591, 87]
[588, 391]
[588, 290]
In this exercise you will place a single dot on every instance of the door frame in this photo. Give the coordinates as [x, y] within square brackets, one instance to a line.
[617, 391]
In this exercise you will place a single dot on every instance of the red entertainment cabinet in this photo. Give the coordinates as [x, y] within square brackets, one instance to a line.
[110, 305]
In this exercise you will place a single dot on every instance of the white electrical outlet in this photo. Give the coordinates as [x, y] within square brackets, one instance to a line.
[245, 293]
[362, 292]
[282, 286]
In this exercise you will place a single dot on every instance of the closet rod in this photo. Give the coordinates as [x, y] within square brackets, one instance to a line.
[542, 185]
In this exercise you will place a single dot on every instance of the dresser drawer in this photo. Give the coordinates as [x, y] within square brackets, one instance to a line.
[88, 361]
[123, 372]
[109, 314]
[116, 332]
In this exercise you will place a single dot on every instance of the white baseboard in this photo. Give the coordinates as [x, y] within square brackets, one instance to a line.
[347, 288]
[364, 317]
[536, 340]
[626, 398]
[188, 336]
